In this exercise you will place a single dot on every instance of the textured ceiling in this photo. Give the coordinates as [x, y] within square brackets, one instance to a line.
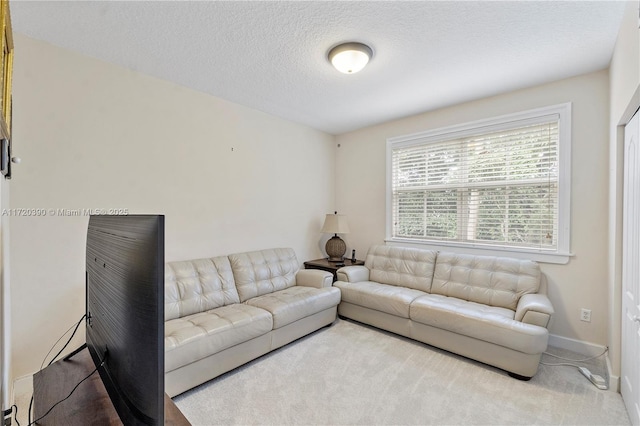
[271, 56]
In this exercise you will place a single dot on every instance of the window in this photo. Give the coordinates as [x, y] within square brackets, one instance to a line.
[500, 184]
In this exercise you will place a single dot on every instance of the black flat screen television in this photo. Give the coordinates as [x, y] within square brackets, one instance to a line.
[125, 312]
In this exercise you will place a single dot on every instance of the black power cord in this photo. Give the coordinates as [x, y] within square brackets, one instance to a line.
[65, 345]
[5, 413]
[15, 414]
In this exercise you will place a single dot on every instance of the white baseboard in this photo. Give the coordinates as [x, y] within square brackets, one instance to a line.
[22, 386]
[578, 346]
[587, 349]
[614, 381]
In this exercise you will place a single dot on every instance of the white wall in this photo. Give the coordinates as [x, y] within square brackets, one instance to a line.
[582, 283]
[624, 74]
[94, 135]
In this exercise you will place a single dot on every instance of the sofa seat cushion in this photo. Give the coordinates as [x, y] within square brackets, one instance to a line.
[390, 299]
[489, 323]
[194, 337]
[297, 302]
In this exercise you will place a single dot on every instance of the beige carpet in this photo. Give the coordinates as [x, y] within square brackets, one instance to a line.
[353, 374]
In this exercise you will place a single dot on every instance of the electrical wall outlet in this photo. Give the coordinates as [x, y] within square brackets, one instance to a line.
[585, 315]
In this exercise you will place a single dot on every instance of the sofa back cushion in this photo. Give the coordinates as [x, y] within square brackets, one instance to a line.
[494, 281]
[404, 267]
[265, 271]
[194, 286]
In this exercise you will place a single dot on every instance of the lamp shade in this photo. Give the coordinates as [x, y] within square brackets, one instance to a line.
[335, 224]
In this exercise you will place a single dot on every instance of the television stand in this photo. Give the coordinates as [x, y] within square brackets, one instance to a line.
[90, 403]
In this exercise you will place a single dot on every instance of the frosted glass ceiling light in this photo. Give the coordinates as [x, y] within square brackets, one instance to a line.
[349, 58]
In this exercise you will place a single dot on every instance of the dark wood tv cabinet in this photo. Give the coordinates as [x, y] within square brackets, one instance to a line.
[89, 404]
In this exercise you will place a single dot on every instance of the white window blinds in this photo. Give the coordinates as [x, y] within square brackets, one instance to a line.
[492, 185]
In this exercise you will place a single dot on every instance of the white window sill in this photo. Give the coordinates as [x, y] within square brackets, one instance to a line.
[541, 256]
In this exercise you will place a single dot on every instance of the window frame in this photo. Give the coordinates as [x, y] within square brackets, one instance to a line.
[562, 253]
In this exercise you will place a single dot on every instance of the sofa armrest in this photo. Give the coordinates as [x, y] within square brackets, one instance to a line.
[534, 309]
[314, 278]
[353, 274]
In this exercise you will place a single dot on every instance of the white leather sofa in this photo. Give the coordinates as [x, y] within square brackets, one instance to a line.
[490, 309]
[223, 312]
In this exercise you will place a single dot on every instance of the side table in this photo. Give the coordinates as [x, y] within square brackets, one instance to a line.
[325, 265]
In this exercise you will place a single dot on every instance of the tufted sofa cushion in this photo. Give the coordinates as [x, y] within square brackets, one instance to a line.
[197, 336]
[494, 281]
[297, 302]
[392, 299]
[399, 266]
[265, 271]
[197, 286]
[479, 321]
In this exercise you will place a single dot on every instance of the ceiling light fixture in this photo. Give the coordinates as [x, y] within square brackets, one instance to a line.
[349, 58]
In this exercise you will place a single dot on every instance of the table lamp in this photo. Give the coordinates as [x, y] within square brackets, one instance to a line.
[335, 224]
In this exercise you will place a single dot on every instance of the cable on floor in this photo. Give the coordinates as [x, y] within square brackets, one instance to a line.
[606, 349]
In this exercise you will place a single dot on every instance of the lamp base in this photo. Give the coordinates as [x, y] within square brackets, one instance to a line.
[336, 248]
